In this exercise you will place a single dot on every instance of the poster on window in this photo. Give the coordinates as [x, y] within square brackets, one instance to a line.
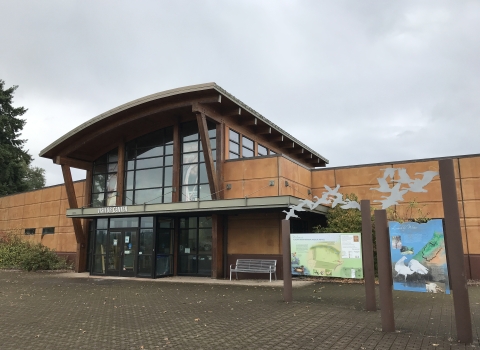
[326, 254]
[419, 262]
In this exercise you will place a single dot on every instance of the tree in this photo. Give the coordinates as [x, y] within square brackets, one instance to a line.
[16, 175]
[342, 220]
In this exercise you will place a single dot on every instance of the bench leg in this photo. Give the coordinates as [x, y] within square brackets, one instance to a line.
[230, 274]
[270, 276]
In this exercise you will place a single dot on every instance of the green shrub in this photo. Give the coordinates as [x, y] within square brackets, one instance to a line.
[16, 253]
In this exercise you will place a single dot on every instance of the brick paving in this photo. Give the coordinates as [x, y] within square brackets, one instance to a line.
[51, 311]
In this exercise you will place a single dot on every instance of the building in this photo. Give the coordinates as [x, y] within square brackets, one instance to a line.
[186, 181]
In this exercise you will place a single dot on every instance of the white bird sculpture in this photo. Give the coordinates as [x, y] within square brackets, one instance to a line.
[350, 204]
[290, 214]
[417, 185]
[338, 200]
[384, 187]
[323, 200]
[389, 172]
[402, 269]
[417, 267]
[404, 178]
[306, 202]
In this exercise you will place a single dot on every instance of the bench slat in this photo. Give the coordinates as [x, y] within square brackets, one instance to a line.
[255, 266]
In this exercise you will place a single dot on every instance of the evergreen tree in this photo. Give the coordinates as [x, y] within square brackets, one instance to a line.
[16, 175]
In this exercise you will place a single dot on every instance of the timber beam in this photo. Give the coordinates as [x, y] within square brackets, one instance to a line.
[74, 163]
[207, 153]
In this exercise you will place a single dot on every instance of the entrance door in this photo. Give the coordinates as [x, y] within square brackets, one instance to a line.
[121, 252]
[195, 246]
[164, 245]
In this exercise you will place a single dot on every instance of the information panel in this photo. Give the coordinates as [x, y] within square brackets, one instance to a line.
[419, 261]
[327, 254]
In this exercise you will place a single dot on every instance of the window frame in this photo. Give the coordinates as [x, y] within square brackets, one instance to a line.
[29, 233]
[45, 230]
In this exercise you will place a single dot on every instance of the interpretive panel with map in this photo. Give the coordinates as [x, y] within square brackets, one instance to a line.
[419, 261]
[327, 254]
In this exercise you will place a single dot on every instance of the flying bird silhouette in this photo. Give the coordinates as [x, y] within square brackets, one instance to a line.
[417, 184]
[384, 186]
[389, 172]
[350, 204]
[290, 214]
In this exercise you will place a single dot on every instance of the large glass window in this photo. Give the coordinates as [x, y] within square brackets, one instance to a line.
[195, 246]
[104, 185]
[194, 180]
[149, 168]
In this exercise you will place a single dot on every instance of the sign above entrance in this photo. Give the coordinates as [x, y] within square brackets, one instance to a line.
[111, 210]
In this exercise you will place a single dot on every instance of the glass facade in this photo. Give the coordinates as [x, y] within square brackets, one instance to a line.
[144, 247]
[149, 168]
[194, 180]
[195, 246]
[104, 184]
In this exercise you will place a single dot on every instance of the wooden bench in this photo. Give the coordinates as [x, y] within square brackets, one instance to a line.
[254, 266]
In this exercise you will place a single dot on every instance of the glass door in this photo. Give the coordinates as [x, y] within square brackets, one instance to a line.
[164, 245]
[114, 252]
[195, 246]
[129, 253]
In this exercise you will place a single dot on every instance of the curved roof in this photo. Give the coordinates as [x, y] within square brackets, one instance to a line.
[81, 132]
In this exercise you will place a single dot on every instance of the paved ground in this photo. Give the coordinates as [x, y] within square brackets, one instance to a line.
[56, 311]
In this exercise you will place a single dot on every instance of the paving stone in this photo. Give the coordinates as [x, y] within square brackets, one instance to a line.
[51, 311]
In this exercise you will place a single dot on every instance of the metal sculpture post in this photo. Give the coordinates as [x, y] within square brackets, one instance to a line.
[384, 271]
[287, 265]
[454, 246]
[367, 257]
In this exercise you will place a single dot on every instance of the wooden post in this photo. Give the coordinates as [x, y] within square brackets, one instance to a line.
[287, 265]
[217, 246]
[120, 173]
[454, 246]
[81, 257]
[367, 257]
[177, 194]
[207, 153]
[384, 271]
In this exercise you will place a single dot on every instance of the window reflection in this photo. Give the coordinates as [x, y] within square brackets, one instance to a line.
[149, 168]
[194, 180]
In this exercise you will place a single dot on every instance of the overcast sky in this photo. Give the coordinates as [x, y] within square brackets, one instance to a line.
[358, 81]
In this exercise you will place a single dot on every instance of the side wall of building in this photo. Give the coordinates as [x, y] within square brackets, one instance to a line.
[38, 210]
[361, 180]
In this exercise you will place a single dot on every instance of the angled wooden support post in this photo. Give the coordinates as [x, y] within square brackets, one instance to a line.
[384, 271]
[453, 242]
[207, 153]
[367, 257]
[287, 265]
[81, 257]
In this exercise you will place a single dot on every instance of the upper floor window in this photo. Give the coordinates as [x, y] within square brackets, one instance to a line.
[149, 168]
[194, 179]
[48, 230]
[104, 185]
[234, 145]
[244, 148]
[247, 148]
[262, 151]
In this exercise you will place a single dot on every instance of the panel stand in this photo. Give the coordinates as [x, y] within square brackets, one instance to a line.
[453, 242]
[367, 257]
[287, 265]
[384, 271]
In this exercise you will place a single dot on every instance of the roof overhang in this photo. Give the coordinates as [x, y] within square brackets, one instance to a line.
[100, 128]
[222, 205]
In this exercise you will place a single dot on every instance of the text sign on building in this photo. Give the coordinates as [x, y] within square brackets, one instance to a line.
[327, 254]
[419, 262]
[112, 210]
